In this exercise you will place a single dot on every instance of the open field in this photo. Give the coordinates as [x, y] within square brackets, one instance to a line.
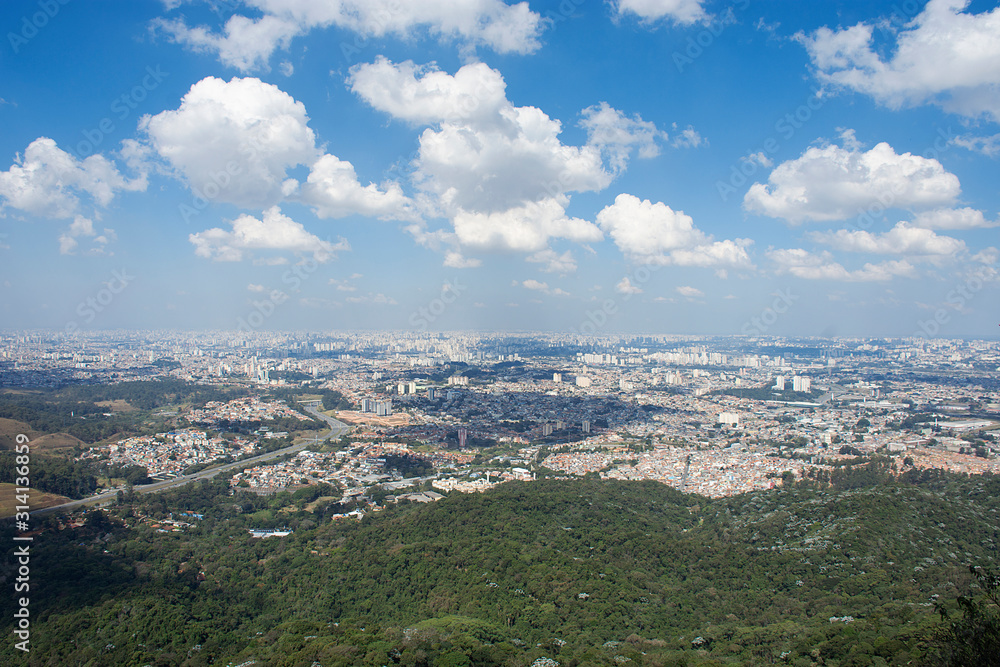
[117, 405]
[56, 444]
[351, 417]
[311, 507]
[10, 428]
[36, 499]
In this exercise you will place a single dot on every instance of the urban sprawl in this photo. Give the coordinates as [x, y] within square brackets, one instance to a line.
[432, 414]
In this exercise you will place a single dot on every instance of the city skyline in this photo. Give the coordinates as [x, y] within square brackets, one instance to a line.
[671, 166]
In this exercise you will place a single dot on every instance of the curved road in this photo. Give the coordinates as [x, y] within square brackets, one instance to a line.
[337, 429]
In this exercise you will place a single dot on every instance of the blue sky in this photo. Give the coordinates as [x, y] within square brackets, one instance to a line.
[655, 166]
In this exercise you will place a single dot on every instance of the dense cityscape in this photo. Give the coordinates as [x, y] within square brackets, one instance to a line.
[715, 416]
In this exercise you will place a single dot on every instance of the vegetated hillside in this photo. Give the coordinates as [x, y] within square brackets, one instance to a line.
[584, 572]
[62, 422]
[10, 429]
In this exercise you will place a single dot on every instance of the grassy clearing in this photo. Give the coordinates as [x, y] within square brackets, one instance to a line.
[36, 500]
[10, 429]
[56, 444]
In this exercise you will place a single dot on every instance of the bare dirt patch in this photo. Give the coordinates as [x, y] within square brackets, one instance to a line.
[36, 500]
[56, 444]
[350, 417]
[10, 429]
[117, 405]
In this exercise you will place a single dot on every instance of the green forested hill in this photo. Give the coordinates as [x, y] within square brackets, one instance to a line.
[580, 572]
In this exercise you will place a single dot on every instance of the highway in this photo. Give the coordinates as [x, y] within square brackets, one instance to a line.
[337, 429]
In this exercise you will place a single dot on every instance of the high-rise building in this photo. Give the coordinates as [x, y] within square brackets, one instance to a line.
[801, 383]
[779, 383]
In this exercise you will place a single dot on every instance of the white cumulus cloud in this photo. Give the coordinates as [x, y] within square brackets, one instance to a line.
[684, 12]
[943, 56]
[81, 227]
[333, 190]
[498, 172]
[48, 182]
[523, 228]
[836, 183]
[273, 231]
[988, 146]
[553, 261]
[649, 233]
[617, 135]
[625, 286]
[456, 260]
[424, 95]
[690, 292]
[533, 284]
[235, 141]
[954, 218]
[247, 43]
[810, 266]
[902, 239]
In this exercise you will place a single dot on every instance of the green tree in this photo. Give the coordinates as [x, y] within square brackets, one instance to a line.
[973, 638]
